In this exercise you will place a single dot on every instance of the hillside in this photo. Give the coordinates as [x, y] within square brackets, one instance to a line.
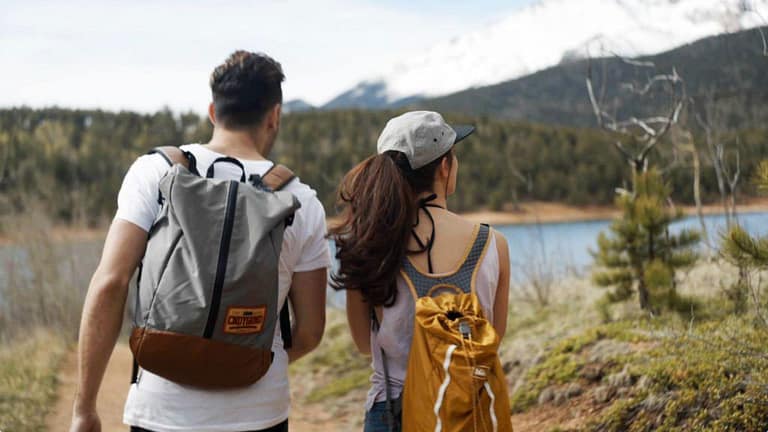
[567, 371]
[71, 163]
[727, 69]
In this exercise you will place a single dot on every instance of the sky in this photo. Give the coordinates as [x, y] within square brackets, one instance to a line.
[144, 55]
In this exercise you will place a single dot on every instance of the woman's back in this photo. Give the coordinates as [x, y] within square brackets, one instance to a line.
[454, 238]
[453, 235]
[397, 241]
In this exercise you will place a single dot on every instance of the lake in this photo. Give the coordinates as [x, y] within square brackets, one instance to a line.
[566, 245]
[559, 248]
[564, 248]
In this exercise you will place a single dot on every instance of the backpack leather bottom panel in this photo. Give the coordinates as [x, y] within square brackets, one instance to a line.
[197, 361]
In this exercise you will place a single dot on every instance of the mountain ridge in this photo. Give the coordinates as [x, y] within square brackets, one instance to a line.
[504, 50]
[737, 82]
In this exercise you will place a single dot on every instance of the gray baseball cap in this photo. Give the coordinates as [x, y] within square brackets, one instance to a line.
[422, 135]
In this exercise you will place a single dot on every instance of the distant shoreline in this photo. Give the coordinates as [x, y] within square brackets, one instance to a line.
[528, 213]
[546, 212]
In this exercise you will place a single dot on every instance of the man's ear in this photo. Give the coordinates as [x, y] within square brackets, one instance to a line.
[273, 117]
[212, 113]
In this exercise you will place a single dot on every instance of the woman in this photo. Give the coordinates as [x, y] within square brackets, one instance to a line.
[395, 218]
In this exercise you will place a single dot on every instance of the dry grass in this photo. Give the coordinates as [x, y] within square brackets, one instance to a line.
[28, 367]
[44, 280]
[42, 287]
[329, 385]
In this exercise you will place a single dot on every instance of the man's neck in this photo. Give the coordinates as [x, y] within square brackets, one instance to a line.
[243, 144]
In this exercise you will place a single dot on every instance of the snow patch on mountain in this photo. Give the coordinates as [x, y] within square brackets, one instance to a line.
[548, 32]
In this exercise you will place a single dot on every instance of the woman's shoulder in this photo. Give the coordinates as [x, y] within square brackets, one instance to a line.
[458, 221]
[496, 240]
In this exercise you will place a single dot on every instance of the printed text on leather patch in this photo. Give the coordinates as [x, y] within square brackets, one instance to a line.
[245, 320]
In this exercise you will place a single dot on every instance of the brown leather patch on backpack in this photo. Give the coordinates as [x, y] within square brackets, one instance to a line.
[245, 320]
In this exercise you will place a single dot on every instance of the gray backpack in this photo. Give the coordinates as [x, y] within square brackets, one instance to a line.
[207, 293]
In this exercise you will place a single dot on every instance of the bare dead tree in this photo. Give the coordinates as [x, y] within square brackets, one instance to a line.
[684, 140]
[710, 120]
[732, 181]
[746, 6]
[525, 178]
[537, 273]
[648, 131]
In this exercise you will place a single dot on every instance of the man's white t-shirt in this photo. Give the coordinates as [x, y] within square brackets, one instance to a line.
[160, 405]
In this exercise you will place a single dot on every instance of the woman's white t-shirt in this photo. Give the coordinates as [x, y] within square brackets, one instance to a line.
[161, 405]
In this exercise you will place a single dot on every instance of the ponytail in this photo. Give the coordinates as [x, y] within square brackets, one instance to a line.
[378, 199]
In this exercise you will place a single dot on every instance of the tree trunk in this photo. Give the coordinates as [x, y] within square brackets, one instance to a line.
[644, 295]
[717, 164]
[515, 200]
[697, 195]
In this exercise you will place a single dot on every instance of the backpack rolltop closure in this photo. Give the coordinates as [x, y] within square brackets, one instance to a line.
[221, 266]
[206, 315]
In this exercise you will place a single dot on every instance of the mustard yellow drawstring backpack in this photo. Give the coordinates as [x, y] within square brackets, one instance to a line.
[454, 381]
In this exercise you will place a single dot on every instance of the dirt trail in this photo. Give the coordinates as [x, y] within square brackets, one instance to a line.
[111, 396]
[114, 390]
[307, 418]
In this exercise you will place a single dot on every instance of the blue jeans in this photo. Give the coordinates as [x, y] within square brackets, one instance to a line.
[376, 420]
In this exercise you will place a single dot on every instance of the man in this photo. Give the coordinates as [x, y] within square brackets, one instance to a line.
[245, 112]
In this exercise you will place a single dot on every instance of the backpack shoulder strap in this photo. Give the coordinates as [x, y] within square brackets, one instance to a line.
[277, 177]
[172, 155]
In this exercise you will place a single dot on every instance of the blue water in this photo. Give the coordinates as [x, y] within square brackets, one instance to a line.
[565, 246]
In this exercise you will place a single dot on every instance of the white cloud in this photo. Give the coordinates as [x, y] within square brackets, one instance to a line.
[142, 55]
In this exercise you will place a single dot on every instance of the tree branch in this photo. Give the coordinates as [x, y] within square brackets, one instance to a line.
[647, 130]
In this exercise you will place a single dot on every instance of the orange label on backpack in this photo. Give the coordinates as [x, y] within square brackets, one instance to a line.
[245, 320]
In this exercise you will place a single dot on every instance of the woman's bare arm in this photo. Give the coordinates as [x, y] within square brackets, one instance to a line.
[359, 319]
[501, 305]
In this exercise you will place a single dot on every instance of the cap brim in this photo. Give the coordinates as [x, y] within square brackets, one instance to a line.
[462, 131]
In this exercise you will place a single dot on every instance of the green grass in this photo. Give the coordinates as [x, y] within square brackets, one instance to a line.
[715, 378]
[564, 361]
[28, 367]
[336, 360]
[711, 376]
[355, 379]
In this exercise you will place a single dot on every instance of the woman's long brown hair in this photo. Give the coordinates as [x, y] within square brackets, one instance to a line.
[378, 197]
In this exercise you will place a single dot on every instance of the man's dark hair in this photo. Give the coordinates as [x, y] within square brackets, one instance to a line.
[245, 87]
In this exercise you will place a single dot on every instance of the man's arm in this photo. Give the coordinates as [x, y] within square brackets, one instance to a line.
[307, 297]
[103, 316]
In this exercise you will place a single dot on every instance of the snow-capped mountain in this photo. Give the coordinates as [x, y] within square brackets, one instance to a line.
[369, 94]
[297, 105]
[546, 33]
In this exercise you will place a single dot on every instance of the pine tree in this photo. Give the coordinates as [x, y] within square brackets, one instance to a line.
[741, 248]
[746, 252]
[639, 253]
